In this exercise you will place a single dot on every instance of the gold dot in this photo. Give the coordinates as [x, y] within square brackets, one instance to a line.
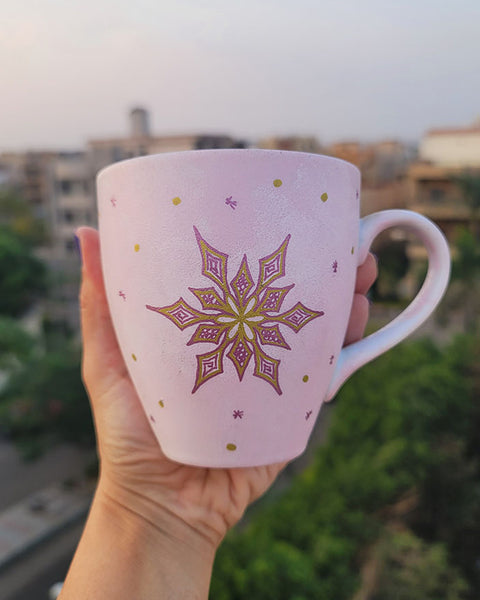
[305, 378]
[136, 247]
[176, 201]
[324, 197]
[231, 447]
[352, 250]
[277, 182]
[160, 402]
[134, 357]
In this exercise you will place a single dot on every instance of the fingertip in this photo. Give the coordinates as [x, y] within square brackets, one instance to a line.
[358, 319]
[367, 272]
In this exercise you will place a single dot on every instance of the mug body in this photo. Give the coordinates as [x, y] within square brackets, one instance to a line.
[230, 277]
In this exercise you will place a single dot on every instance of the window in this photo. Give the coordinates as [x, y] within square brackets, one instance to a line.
[69, 216]
[65, 186]
[117, 153]
[437, 195]
[70, 246]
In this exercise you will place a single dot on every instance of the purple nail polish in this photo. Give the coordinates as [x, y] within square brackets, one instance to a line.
[78, 246]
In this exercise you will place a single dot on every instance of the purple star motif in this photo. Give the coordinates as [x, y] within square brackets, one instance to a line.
[230, 202]
[330, 362]
[308, 414]
[114, 202]
[122, 295]
[240, 317]
[238, 414]
[335, 266]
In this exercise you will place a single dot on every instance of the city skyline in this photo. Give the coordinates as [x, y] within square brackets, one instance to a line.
[333, 70]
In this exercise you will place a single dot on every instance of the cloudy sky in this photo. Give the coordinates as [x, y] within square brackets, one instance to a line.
[337, 69]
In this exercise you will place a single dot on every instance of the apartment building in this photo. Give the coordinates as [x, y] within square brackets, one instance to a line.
[60, 188]
[141, 142]
[444, 156]
[452, 148]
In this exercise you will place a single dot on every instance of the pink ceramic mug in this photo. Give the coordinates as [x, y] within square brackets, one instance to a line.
[230, 276]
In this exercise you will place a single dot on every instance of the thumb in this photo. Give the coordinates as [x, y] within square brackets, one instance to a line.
[102, 361]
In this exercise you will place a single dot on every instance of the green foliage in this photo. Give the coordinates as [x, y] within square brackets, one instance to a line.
[274, 570]
[17, 215]
[45, 401]
[406, 422]
[469, 185]
[16, 344]
[22, 275]
[464, 290]
[410, 569]
[393, 265]
[43, 398]
[466, 265]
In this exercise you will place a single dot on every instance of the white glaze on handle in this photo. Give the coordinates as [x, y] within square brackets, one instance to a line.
[359, 353]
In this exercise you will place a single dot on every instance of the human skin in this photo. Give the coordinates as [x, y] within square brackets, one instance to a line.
[154, 525]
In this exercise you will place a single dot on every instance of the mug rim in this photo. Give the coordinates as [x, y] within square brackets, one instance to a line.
[221, 151]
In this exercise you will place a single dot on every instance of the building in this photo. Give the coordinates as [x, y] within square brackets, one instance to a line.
[60, 189]
[27, 173]
[380, 162]
[445, 155]
[433, 192]
[71, 201]
[456, 148]
[291, 143]
[141, 142]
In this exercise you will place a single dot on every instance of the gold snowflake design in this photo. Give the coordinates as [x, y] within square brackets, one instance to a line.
[239, 321]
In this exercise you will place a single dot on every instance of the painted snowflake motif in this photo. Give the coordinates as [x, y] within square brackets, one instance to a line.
[239, 317]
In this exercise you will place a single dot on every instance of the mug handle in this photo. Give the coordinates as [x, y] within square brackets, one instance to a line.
[359, 353]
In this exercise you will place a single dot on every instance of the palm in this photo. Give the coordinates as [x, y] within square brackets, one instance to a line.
[132, 457]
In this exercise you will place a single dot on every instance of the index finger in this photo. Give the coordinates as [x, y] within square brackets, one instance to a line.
[366, 274]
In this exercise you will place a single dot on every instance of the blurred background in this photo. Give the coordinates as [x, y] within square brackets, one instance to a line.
[385, 504]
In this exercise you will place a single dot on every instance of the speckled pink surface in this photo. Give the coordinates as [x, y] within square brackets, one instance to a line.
[230, 278]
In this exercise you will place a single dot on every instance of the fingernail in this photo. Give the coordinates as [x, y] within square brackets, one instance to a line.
[78, 246]
[375, 257]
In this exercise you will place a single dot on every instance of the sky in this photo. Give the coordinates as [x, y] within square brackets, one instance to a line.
[336, 69]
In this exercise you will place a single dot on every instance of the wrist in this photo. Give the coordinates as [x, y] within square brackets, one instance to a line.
[157, 531]
[127, 553]
[161, 514]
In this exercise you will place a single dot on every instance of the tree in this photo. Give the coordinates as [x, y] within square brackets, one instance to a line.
[17, 215]
[406, 425]
[22, 275]
[469, 185]
[16, 345]
[411, 569]
[393, 266]
[42, 398]
[464, 290]
[45, 401]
